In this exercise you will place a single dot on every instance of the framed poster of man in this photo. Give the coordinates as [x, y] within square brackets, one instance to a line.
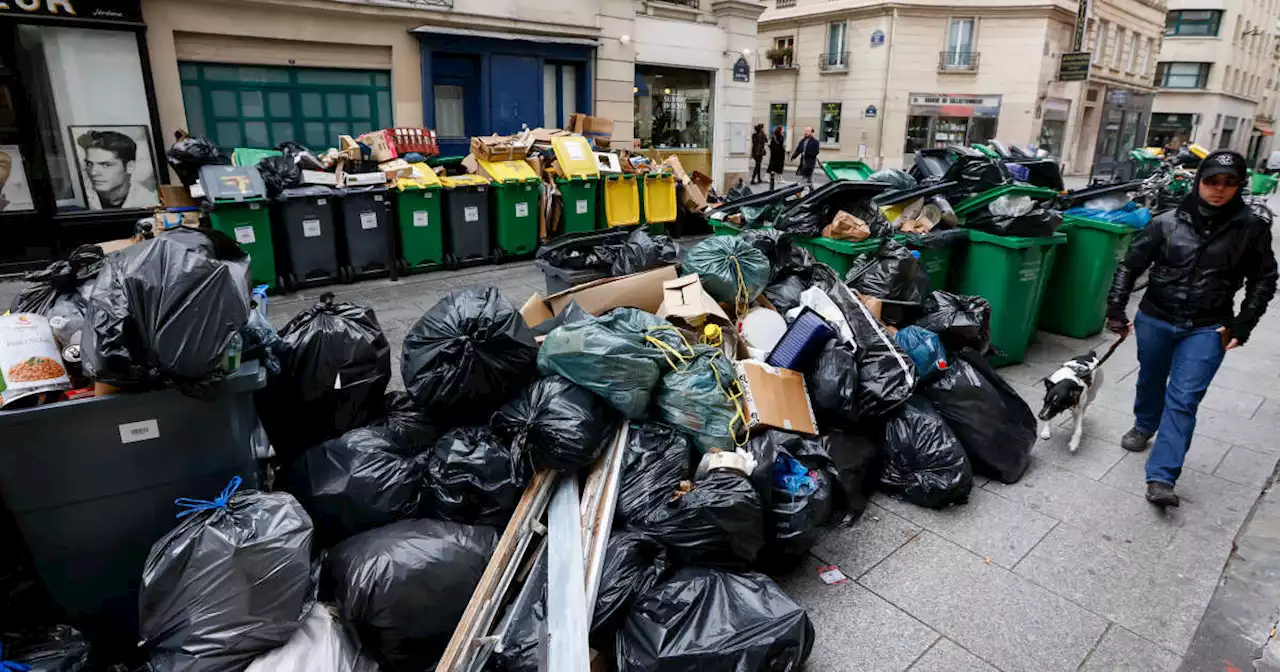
[15, 193]
[115, 166]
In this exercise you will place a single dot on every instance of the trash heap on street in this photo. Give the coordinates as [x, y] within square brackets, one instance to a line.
[625, 463]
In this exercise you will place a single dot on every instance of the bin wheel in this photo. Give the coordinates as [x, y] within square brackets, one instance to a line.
[283, 285]
[346, 275]
[498, 256]
[402, 266]
[450, 262]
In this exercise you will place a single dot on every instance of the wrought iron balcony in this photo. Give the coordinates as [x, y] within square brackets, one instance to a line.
[958, 61]
[833, 61]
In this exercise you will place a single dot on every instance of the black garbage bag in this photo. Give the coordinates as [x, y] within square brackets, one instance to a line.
[578, 251]
[702, 398]
[322, 644]
[962, 322]
[857, 466]
[923, 461]
[719, 523]
[994, 424]
[739, 190]
[188, 155]
[335, 364]
[304, 158]
[402, 588]
[165, 310]
[354, 483]
[898, 180]
[571, 313]
[640, 252]
[60, 648]
[411, 431]
[886, 376]
[805, 494]
[633, 563]
[894, 273]
[555, 424]
[232, 581]
[785, 292]
[768, 241]
[611, 356]
[731, 271]
[525, 620]
[705, 619]
[467, 355]
[279, 173]
[811, 214]
[61, 292]
[832, 382]
[654, 464]
[260, 339]
[1039, 223]
[474, 477]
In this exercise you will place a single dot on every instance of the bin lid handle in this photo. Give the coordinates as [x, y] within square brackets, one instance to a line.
[196, 505]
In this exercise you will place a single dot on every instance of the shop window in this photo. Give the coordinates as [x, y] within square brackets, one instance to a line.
[254, 106]
[1182, 75]
[917, 134]
[673, 108]
[777, 117]
[960, 34]
[98, 156]
[829, 134]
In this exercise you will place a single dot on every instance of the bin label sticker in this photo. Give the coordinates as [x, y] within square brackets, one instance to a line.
[368, 220]
[377, 198]
[574, 150]
[581, 206]
[244, 235]
[255, 206]
[310, 228]
[1030, 271]
[421, 219]
[133, 432]
[471, 213]
[522, 209]
[321, 201]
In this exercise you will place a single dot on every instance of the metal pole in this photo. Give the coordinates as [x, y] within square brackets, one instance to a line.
[567, 620]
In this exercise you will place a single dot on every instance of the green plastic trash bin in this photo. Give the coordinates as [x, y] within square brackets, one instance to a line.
[936, 262]
[578, 196]
[846, 170]
[237, 200]
[417, 207]
[982, 200]
[838, 254]
[1075, 301]
[1261, 184]
[1011, 273]
[515, 203]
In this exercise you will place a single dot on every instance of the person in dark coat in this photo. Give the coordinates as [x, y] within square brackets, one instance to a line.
[807, 150]
[759, 141]
[1199, 256]
[777, 154]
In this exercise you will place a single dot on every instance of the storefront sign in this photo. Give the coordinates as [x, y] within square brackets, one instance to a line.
[87, 10]
[741, 70]
[870, 112]
[1082, 20]
[1074, 66]
[877, 38]
[954, 105]
[1117, 97]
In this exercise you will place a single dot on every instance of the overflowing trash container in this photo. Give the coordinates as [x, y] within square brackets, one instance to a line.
[578, 184]
[236, 199]
[846, 170]
[418, 215]
[516, 193]
[658, 199]
[468, 220]
[309, 237]
[1076, 295]
[621, 200]
[369, 242]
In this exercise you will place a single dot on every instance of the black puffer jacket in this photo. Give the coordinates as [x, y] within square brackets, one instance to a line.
[1197, 266]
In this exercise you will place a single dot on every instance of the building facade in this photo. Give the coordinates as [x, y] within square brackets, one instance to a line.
[261, 72]
[879, 80]
[1218, 76]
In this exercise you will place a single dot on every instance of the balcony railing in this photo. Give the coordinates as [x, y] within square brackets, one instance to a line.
[833, 61]
[958, 61]
[783, 4]
[692, 4]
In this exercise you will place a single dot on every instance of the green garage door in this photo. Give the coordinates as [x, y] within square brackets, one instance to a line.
[261, 107]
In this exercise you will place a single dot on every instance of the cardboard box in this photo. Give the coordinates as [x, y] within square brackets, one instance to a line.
[471, 165]
[639, 290]
[396, 169]
[498, 148]
[673, 162]
[775, 397]
[685, 302]
[382, 146]
[176, 196]
[318, 178]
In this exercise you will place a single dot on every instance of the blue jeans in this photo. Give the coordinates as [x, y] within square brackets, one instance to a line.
[1175, 368]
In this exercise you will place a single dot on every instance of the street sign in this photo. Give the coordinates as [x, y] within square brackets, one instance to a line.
[1074, 66]
[741, 70]
[877, 38]
[1082, 22]
[870, 112]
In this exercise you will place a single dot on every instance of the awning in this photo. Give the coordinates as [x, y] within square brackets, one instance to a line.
[501, 35]
[1263, 129]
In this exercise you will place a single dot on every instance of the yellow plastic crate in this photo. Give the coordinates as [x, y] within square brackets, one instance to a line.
[621, 200]
[659, 198]
[575, 156]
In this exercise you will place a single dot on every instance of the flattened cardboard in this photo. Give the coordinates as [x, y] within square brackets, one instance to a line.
[638, 290]
[498, 148]
[775, 397]
[685, 300]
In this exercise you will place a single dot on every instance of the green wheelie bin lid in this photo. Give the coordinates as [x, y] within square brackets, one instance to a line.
[235, 197]
[1075, 301]
[846, 170]
[977, 201]
[1011, 273]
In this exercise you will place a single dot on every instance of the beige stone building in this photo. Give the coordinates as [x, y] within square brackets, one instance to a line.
[1218, 76]
[881, 80]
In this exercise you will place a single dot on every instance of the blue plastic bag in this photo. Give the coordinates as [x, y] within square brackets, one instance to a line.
[793, 477]
[925, 349]
[1131, 214]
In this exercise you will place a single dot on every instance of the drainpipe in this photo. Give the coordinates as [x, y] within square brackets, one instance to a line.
[884, 99]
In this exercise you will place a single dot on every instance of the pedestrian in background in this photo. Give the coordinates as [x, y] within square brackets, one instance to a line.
[807, 151]
[1199, 256]
[777, 154]
[759, 141]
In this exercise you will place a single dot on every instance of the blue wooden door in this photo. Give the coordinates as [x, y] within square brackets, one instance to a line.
[456, 97]
[516, 92]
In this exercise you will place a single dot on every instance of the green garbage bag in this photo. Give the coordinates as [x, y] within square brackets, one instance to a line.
[731, 270]
[620, 356]
[703, 399]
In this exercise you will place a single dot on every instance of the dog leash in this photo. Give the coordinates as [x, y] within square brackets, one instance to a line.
[1111, 350]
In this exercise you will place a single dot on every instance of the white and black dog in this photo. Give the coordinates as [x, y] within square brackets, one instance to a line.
[1073, 387]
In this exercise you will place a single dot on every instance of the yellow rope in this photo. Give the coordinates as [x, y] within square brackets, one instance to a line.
[742, 298]
[735, 398]
[668, 350]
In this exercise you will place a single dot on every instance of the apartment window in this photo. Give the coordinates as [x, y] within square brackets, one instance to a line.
[783, 4]
[837, 44]
[783, 51]
[1182, 75]
[1193, 23]
[1133, 52]
[829, 134]
[960, 39]
[1146, 57]
[1117, 49]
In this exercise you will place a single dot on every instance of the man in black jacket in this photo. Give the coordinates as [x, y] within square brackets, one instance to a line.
[807, 150]
[1199, 255]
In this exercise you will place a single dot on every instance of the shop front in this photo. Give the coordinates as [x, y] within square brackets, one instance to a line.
[1170, 130]
[1125, 118]
[674, 114]
[1053, 126]
[941, 119]
[80, 151]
